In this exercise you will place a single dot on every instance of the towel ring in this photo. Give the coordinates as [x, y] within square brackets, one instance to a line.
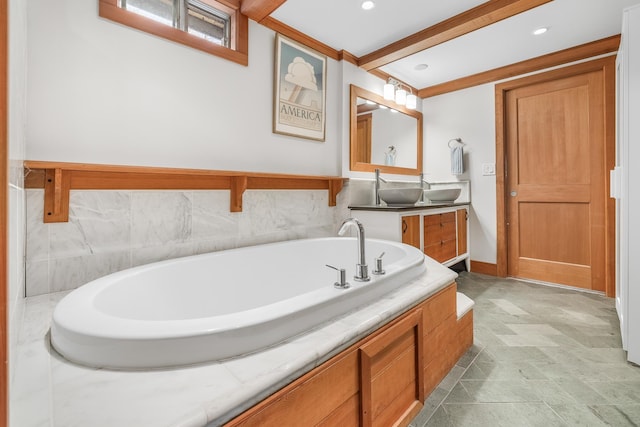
[458, 140]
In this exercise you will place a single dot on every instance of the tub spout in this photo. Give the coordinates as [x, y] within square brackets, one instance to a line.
[362, 271]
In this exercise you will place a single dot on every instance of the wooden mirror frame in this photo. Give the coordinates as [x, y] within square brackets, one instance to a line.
[354, 165]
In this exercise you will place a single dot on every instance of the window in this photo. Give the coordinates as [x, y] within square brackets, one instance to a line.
[214, 26]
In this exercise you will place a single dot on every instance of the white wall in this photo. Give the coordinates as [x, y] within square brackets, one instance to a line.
[100, 92]
[468, 114]
[16, 132]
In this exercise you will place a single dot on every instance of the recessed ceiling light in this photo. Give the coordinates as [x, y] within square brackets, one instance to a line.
[368, 5]
[421, 67]
[541, 30]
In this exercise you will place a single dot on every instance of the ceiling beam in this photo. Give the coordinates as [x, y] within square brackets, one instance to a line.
[456, 26]
[259, 9]
[561, 57]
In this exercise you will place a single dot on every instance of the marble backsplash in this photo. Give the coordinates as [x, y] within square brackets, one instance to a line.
[109, 231]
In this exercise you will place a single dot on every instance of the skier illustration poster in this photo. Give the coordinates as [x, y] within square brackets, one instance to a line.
[299, 90]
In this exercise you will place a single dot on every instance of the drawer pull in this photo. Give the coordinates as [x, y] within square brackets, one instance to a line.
[404, 226]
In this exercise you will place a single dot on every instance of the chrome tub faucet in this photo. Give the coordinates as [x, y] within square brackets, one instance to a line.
[362, 271]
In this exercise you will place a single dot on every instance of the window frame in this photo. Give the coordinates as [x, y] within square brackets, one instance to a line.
[237, 52]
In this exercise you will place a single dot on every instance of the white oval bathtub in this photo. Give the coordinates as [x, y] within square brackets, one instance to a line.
[222, 304]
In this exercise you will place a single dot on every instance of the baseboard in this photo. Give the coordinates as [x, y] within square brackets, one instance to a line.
[484, 268]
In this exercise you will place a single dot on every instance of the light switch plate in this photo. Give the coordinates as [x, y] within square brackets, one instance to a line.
[488, 169]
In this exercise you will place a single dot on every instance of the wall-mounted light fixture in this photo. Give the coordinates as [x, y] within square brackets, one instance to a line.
[394, 90]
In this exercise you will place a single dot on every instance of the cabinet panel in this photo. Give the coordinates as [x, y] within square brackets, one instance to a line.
[337, 383]
[461, 223]
[411, 230]
[392, 363]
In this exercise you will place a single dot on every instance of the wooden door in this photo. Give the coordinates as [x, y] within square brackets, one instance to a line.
[363, 138]
[555, 181]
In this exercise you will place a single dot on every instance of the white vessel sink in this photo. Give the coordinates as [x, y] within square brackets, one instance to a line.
[400, 196]
[442, 195]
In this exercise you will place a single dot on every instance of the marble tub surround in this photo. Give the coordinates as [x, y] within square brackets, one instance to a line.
[109, 231]
[51, 391]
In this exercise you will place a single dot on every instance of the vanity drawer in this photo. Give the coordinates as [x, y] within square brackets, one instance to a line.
[440, 218]
[436, 233]
[442, 251]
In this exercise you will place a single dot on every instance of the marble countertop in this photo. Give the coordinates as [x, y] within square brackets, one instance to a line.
[47, 390]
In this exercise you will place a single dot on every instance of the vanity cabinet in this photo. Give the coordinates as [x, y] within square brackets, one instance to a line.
[382, 380]
[442, 233]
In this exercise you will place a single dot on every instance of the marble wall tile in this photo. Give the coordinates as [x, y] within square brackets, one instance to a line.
[160, 217]
[37, 277]
[37, 240]
[211, 215]
[112, 230]
[98, 222]
[69, 273]
[149, 254]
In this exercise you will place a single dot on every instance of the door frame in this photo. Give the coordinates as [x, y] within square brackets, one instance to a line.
[608, 67]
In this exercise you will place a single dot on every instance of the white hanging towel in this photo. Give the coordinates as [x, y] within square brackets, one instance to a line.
[457, 167]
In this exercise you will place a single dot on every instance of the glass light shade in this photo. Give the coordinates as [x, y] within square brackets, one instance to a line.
[388, 90]
[401, 97]
[412, 101]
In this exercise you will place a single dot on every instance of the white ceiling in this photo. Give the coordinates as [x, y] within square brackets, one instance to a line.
[342, 24]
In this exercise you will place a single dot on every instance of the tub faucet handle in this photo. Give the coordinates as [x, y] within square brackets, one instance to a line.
[378, 270]
[342, 277]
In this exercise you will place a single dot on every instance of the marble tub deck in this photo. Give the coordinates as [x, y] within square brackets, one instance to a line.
[47, 390]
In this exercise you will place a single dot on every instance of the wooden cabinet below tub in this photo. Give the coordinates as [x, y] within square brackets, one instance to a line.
[442, 233]
[382, 380]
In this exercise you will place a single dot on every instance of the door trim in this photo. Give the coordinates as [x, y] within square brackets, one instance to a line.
[607, 66]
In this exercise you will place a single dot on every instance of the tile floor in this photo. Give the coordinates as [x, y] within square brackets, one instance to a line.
[542, 356]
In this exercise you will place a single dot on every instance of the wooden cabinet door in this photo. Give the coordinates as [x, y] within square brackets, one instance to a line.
[440, 236]
[392, 374]
[461, 224]
[411, 230]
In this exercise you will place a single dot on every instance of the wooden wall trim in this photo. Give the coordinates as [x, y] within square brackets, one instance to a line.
[300, 37]
[607, 66]
[473, 19]
[484, 268]
[577, 53]
[4, 210]
[58, 178]
[109, 9]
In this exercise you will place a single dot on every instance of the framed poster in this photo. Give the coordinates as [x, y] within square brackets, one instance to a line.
[299, 96]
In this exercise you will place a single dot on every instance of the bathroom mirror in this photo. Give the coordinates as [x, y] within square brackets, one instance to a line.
[383, 135]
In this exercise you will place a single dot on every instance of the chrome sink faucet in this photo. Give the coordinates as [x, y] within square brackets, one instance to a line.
[362, 271]
[422, 183]
[377, 186]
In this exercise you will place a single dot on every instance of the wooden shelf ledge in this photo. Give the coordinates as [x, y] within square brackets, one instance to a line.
[59, 178]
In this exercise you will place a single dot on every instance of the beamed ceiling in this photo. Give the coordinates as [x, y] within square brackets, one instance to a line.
[462, 42]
